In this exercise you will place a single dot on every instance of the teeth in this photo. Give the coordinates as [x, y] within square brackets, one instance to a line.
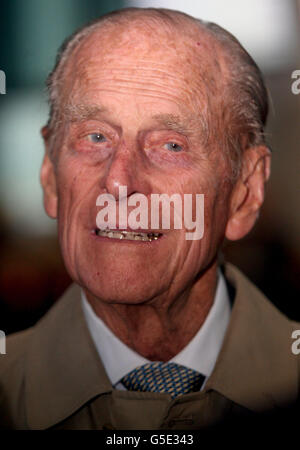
[128, 235]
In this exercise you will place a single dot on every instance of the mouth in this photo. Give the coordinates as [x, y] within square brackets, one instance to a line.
[128, 235]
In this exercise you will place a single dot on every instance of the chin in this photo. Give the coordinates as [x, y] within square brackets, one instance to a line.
[119, 295]
[120, 289]
[117, 280]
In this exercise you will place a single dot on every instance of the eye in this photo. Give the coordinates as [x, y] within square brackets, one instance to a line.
[173, 147]
[96, 138]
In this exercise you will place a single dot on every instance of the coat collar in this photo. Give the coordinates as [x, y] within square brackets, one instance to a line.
[255, 367]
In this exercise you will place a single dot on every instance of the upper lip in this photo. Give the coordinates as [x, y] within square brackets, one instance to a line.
[131, 230]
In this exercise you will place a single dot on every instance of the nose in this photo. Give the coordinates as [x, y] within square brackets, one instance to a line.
[126, 169]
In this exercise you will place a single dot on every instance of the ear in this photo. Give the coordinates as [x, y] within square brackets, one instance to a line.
[248, 194]
[48, 179]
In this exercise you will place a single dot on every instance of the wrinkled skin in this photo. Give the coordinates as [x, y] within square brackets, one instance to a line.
[122, 84]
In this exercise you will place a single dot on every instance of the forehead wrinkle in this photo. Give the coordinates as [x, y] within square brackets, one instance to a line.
[178, 89]
[132, 73]
[134, 66]
[170, 87]
[164, 91]
[175, 64]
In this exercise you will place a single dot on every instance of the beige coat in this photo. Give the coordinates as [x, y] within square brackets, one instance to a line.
[52, 376]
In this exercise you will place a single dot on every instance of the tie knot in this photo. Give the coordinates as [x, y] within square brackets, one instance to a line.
[170, 378]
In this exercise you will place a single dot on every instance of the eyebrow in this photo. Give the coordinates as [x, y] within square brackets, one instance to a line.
[173, 122]
[80, 112]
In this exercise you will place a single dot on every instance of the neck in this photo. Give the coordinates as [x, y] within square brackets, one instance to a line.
[162, 327]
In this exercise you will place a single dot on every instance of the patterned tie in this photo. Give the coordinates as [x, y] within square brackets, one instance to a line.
[170, 378]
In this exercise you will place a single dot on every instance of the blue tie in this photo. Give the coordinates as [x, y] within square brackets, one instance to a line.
[170, 378]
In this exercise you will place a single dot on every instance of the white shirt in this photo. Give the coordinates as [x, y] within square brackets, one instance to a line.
[199, 354]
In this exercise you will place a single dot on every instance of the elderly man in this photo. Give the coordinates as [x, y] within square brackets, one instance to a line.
[154, 332]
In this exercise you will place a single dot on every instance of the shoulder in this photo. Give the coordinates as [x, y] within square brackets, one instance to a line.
[265, 332]
[12, 370]
[256, 367]
[24, 351]
[262, 314]
[16, 345]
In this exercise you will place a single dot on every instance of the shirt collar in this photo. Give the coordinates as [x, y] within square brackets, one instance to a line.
[200, 354]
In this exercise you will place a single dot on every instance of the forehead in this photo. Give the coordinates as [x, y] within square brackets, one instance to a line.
[134, 58]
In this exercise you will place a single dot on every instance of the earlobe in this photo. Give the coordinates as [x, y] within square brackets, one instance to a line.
[48, 182]
[248, 194]
[45, 133]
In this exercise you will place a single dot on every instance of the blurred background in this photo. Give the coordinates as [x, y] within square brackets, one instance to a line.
[32, 275]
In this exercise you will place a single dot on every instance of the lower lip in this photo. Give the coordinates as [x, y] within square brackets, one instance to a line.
[125, 241]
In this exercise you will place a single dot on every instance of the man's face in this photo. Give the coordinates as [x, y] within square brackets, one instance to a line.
[134, 107]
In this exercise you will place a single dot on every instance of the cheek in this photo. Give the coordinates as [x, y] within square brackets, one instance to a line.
[77, 194]
[216, 215]
[216, 204]
[74, 180]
